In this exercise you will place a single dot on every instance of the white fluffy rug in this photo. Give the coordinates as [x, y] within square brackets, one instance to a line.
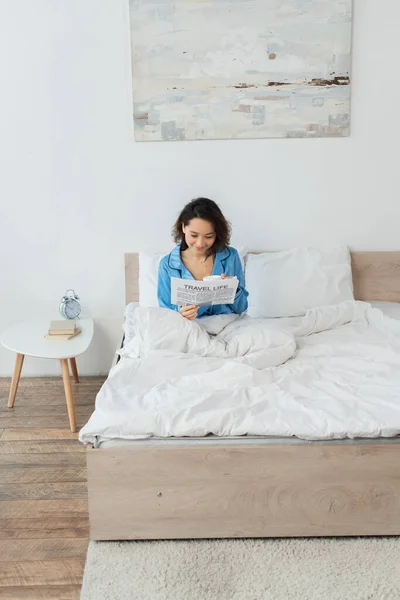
[281, 569]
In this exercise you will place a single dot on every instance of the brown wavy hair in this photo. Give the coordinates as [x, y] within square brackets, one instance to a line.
[208, 210]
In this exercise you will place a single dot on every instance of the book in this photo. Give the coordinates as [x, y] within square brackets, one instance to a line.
[62, 336]
[60, 327]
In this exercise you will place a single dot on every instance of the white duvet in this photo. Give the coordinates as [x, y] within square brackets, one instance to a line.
[334, 373]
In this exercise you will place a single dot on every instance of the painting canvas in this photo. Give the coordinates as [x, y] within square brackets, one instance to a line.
[236, 69]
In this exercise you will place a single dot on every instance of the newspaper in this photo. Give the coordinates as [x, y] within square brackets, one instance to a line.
[185, 292]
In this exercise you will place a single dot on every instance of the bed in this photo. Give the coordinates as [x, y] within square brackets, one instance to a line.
[212, 486]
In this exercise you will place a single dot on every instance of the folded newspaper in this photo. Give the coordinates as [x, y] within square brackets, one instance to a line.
[185, 292]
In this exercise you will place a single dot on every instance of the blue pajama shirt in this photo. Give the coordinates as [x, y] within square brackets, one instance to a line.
[227, 261]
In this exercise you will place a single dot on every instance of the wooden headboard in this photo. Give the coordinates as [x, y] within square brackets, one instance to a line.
[376, 276]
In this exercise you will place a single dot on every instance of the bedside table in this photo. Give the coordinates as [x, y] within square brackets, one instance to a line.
[27, 339]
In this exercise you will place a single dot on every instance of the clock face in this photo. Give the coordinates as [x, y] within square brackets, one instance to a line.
[72, 309]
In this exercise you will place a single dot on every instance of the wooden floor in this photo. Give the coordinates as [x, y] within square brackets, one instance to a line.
[44, 527]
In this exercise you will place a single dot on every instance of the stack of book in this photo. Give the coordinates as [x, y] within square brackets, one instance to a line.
[62, 330]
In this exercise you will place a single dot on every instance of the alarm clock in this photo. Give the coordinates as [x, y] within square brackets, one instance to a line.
[70, 307]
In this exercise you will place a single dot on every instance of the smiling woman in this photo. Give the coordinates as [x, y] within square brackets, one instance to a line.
[202, 235]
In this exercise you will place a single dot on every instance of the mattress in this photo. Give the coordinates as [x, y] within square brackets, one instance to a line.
[245, 440]
[342, 382]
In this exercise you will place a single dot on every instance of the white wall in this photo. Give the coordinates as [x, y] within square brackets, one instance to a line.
[76, 192]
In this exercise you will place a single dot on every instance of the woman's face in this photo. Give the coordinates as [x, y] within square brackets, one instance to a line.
[199, 236]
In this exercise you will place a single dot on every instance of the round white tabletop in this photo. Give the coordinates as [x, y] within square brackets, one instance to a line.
[27, 338]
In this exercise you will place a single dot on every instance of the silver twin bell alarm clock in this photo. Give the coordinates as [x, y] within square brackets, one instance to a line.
[70, 307]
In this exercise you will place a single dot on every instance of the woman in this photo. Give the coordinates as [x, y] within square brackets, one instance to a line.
[202, 235]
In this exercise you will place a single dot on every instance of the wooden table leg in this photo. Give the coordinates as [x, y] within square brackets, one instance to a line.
[68, 393]
[19, 360]
[74, 369]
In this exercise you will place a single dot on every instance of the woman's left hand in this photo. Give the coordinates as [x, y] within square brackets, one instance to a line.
[227, 276]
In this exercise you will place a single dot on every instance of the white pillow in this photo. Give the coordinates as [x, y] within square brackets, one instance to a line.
[287, 284]
[389, 309]
[148, 275]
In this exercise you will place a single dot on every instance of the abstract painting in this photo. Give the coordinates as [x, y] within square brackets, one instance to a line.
[236, 69]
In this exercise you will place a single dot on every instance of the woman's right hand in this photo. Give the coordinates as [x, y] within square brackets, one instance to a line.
[189, 312]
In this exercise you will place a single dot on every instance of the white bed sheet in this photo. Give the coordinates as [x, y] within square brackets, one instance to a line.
[343, 381]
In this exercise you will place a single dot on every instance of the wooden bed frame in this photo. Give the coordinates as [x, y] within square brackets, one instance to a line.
[251, 487]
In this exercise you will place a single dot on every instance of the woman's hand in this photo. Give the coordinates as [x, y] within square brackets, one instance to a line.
[189, 312]
[227, 276]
